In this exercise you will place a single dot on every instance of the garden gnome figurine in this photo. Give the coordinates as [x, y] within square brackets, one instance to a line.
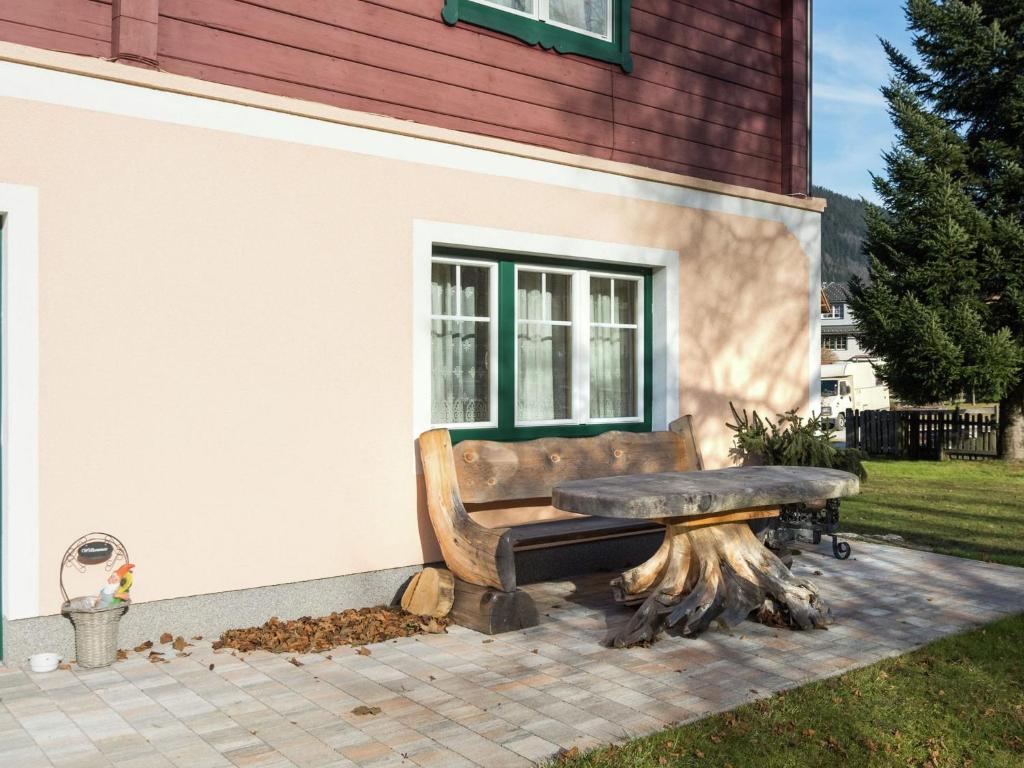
[116, 589]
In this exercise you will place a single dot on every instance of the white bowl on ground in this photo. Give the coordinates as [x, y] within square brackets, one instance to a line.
[43, 662]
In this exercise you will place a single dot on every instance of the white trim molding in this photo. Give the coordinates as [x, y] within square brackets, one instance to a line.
[665, 314]
[19, 415]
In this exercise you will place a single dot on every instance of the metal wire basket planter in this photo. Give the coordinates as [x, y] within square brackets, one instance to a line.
[96, 634]
[95, 628]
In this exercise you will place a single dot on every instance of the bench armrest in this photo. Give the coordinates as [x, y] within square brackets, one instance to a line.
[474, 553]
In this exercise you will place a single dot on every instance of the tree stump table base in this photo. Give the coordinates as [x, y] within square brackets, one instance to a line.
[718, 572]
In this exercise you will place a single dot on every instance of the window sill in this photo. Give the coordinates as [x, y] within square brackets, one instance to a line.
[548, 36]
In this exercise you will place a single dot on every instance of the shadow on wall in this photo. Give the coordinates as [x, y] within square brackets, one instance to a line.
[747, 341]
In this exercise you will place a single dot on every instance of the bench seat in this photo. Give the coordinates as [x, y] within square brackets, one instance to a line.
[485, 474]
[552, 532]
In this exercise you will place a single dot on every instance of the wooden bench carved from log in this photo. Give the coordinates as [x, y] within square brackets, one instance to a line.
[487, 474]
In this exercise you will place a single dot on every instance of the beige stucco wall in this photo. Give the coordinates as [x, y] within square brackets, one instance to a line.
[225, 338]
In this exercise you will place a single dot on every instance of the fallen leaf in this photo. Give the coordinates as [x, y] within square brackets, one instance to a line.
[364, 710]
[156, 654]
[144, 647]
[989, 712]
[352, 627]
[295, 661]
[535, 650]
[363, 651]
[197, 637]
[571, 753]
[488, 641]
[122, 654]
[166, 637]
[179, 643]
[64, 666]
[698, 753]
[662, 760]
[211, 667]
[715, 738]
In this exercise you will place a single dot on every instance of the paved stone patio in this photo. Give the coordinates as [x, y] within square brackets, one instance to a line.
[462, 699]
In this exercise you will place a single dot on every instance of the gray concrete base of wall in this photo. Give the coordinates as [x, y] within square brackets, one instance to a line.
[210, 615]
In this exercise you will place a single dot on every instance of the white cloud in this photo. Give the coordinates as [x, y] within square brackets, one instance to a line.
[857, 61]
[846, 94]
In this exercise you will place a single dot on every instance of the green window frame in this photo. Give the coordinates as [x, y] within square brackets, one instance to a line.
[502, 424]
[535, 30]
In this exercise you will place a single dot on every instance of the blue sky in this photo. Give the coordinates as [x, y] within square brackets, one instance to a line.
[851, 125]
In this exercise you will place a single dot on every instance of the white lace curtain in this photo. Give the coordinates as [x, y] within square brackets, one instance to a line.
[544, 347]
[461, 327]
[460, 346]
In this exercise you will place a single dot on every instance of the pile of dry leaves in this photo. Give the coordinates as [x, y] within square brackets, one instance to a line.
[351, 627]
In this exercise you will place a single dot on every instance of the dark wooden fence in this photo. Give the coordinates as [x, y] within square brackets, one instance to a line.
[923, 434]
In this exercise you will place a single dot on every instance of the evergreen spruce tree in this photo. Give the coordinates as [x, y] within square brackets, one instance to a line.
[945, 307]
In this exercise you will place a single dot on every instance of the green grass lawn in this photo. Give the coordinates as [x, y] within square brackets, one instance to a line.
[964, 508]
[955, 702]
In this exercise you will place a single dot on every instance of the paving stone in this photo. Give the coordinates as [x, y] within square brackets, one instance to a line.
[454, 700]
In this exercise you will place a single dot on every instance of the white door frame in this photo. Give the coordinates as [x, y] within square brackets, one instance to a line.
[19, 410]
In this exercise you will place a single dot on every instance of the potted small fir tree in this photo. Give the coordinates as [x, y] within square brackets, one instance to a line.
[794, 441]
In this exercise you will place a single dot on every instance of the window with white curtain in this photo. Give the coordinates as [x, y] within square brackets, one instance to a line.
[531, 348]
[462, 298]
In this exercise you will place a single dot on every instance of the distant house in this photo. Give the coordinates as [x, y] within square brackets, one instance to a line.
[839, 331]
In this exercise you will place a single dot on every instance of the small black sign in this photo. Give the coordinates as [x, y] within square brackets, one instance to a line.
[95, 552]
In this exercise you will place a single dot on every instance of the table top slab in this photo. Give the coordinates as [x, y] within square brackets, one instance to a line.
[695, 494]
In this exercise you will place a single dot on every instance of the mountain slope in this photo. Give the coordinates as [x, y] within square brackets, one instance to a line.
[842, 236]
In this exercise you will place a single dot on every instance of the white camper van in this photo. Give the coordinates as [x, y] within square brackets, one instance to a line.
[850, 384]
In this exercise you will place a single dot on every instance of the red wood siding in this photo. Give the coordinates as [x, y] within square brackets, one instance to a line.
[718, 90]
[72, 26]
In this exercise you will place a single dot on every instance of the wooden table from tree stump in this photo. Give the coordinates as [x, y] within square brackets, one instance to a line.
[710, 566]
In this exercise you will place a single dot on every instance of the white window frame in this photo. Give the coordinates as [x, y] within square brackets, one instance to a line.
[580, 322]
[572, 324]
[492, 334]
[835, 312]
[542, 13]
[828, 343]
[641, 307]
[428, 236]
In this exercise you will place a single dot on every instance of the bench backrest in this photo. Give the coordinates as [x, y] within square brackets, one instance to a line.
[491, 471]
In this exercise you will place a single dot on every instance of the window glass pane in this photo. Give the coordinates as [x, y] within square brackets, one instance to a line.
[544, 380]
[476, 285]
[442, 289]
[613, 372]
[600, 300]
[625, 301]
[544, 296]
[588, 15]
[460, 370]
[526, 6]
[558, 296]
[529, 299]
